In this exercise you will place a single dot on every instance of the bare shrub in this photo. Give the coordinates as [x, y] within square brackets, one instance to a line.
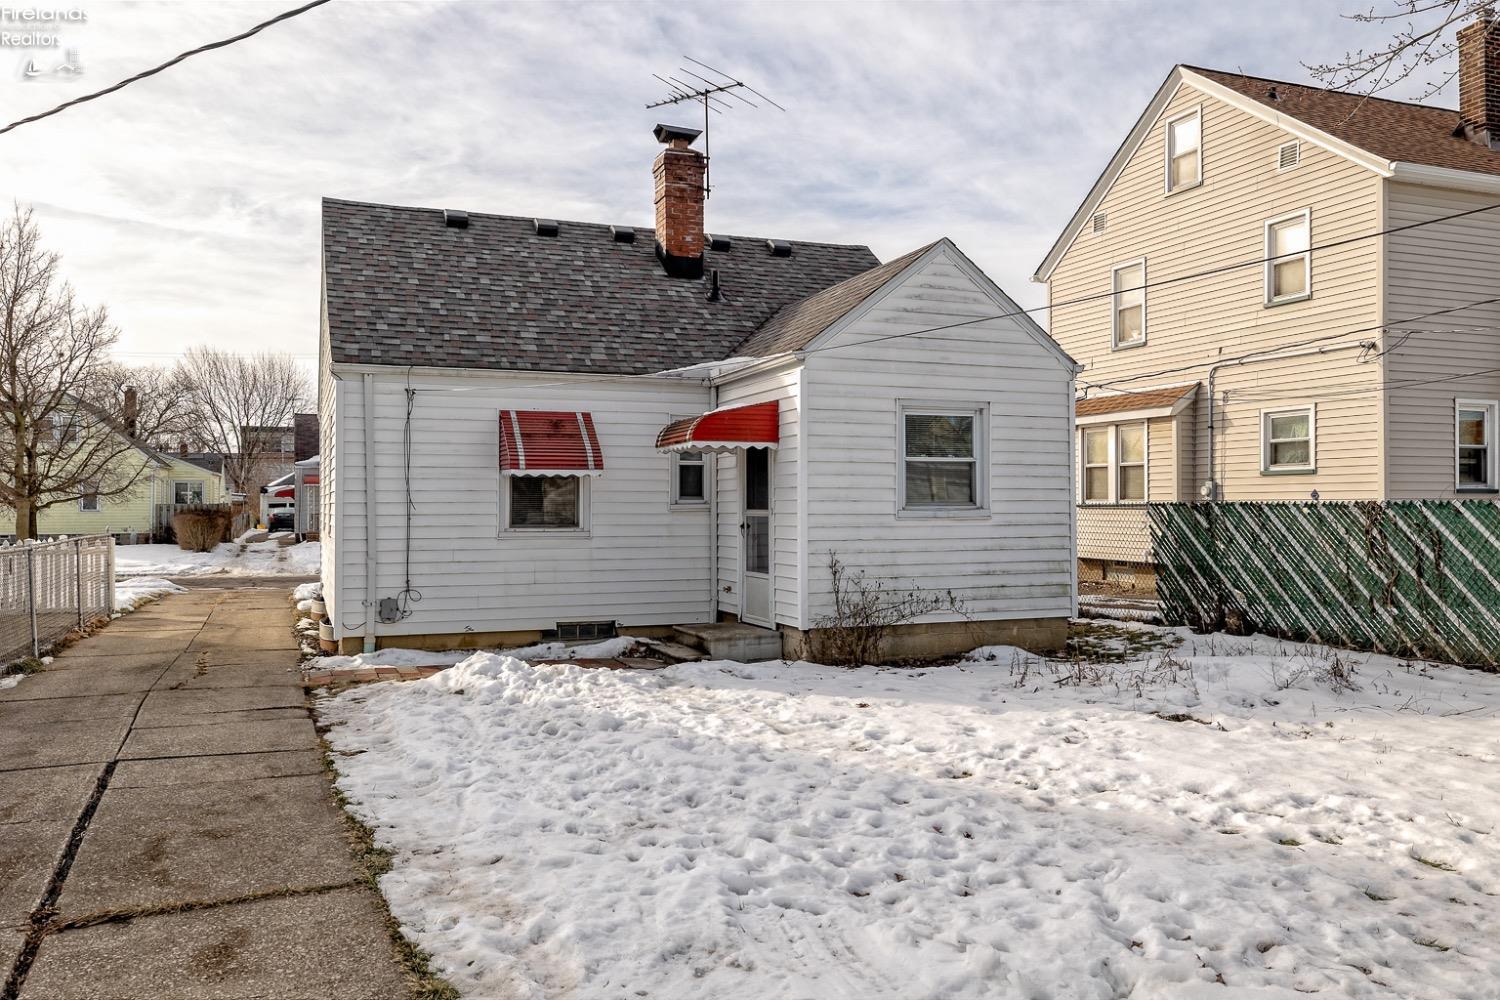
[865, 611]
[199, 529]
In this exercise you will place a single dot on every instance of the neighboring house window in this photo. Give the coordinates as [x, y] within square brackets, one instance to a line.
[187, 492]
[1288, 258]
[1114, 463]
[1184, 151]
[1288, 440]
[689, 477]
[941, 451]
[89, 503]
[554, 502]
[1476, 444]
[1129, 287]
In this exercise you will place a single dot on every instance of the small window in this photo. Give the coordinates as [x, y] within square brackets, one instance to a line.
[1288, 259]
[89, 503]
[1101, 219]
[1185, 151]
[1130, 451]
[543, 502]
[1096, 464]
[1288, 155]
[187, 492]
[1129, 288]
[689, 478]
[1287, 440]
[1475, 433]
[941, 451]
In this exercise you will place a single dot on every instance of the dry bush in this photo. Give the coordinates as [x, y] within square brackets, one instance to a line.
[199, 529]
[864, 612]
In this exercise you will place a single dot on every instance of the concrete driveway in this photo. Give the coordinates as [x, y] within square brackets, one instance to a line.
[166, 827]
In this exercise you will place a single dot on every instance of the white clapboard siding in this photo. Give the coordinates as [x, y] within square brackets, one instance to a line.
[1016, 561]
[640, 562]
[328, 523]
[783, 386]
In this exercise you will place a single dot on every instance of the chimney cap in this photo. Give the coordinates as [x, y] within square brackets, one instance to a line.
[667, 133]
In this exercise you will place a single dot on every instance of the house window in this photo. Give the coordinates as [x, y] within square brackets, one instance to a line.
[1129, 323]
[1130, 461]
[941, 449]
[1096, 464]
[1475, 433]
[1185, 151]
[690, 481]
[541, 502]
[1114, 463]
[89, 503]
[187, 492]
[1288, 258]
[1288, 440]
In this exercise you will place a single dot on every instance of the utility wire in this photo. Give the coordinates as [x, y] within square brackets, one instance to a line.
[286, 15]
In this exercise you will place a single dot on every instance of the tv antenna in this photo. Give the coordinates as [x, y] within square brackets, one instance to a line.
[711, 92]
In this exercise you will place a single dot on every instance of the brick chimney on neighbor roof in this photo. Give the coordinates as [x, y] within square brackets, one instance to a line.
[1479, 78]
[679, 172]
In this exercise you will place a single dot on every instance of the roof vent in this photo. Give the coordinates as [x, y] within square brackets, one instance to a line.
[622, 234]
[721, 244]
[715, 293]
[779, 248]
[1288, 155]
[455, 219]
[1101, 219]
[545, 227]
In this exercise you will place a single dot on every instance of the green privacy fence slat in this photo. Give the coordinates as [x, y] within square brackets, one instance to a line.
[1406, 577]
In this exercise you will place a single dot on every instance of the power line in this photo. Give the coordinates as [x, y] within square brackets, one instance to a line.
[286, 15]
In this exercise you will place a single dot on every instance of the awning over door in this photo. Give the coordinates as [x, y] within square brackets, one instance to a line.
[549, 443]
[755, 426]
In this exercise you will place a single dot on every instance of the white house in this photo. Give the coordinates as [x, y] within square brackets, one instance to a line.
[532, 428]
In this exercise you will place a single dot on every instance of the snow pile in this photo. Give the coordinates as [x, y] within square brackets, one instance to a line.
[133, 592]
[228, 558]
[307, 591]
[393, 657]
[1008, 827]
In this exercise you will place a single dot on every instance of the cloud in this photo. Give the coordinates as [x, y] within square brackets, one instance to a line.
[188, 203]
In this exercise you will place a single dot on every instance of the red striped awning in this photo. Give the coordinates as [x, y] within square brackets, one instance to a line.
[755, 426]
[286, 491]
[549, 443]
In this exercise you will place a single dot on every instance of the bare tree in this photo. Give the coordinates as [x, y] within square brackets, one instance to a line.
[865, 610]
[1422, 39]
[235, 397]
[68, 426]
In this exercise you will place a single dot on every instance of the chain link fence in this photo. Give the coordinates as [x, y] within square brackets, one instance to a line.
[1114, 550]
[48, 589]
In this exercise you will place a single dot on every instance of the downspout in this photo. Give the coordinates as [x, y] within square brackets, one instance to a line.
[1211, 488]
[713, 521]
[372, 555]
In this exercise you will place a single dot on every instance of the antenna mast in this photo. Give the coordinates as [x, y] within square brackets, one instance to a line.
[711, 93]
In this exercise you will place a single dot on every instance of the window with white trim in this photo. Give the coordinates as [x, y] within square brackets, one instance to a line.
[89, 503]
[545, 503]
[1474, 439]
[1113, 458]
[1288, 440]
[1128, 283]
[187, 491]
[942, 451]
[1288, 258]
[689, 478]
[1185, 150]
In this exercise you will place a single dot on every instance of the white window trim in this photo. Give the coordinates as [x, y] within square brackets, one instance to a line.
[1296, 143]
[1113, 464]
[674, 500]
[585, 512]
[98, 504]
[1491, 408]
[1114, 306]
[1311, 409]
[1270, 265]
[201, 484]
[1167, 187]
[981, 414]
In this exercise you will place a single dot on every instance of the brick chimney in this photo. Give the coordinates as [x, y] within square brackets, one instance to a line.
[1479, 78]
[679, 172]
[130, 412]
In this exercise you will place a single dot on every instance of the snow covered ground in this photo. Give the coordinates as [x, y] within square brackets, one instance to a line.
[229, 558]
[1232, 818]
[132, 592]
[395, 657]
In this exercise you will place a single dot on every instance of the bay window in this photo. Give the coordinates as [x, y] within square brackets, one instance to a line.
[1113, 459]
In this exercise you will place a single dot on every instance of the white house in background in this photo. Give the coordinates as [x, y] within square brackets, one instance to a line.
[535, 429]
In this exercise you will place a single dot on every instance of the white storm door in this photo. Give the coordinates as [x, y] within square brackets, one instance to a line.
[755, 538]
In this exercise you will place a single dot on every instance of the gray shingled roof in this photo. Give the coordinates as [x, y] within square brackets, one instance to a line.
[402, 289]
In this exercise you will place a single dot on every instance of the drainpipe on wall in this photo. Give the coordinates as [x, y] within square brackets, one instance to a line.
[713, 520]
[1211, 487]
[372, 555]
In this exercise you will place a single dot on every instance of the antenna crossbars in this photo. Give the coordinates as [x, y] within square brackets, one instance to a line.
[710, 92]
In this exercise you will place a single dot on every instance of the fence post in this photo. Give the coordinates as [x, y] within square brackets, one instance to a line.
[78, 578]
[36, 646]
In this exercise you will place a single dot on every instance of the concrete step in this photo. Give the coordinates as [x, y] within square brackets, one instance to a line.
[732, 641]
[673, 652]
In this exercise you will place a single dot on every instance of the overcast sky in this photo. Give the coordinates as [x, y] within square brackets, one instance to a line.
[188, 203]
